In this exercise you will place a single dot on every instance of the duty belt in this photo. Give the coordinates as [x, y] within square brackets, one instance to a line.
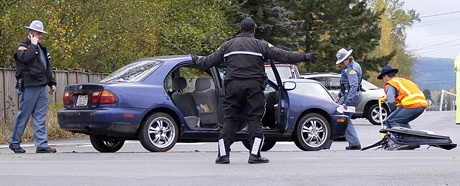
[345, 91]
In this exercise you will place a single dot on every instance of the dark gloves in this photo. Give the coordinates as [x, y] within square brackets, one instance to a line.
[310, 57]
[194, 58]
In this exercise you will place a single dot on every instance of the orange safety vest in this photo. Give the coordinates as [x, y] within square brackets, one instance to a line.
[409, 95]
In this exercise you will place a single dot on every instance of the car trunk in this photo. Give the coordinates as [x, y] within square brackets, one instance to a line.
[87, 96]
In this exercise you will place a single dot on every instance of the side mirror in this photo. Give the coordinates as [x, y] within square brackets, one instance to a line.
[289, 85]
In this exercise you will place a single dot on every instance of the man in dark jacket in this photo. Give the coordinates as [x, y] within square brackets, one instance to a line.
[33, 74]
[245, 56]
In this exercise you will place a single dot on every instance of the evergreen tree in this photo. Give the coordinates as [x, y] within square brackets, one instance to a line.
[321, 26]
[274, 23]
[427, 93]
[334, 24]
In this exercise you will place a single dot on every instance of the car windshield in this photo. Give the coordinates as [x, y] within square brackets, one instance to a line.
[312, 89]
[133, 72]
[284, 71]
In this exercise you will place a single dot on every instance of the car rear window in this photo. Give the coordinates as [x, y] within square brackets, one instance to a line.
[312, 89]
[133, 72]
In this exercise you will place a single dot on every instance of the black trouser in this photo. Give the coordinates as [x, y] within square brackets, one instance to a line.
[243, 95]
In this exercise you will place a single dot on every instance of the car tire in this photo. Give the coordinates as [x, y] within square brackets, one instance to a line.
[373, 114]
[106, 144]
[159, 133]
[312, 132]
[265, 147]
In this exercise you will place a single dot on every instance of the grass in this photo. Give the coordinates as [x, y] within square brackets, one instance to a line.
[52, 126]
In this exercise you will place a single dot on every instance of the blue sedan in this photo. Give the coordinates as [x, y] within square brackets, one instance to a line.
[164, 100]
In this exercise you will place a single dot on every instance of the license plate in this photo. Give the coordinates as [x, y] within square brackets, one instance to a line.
[82, 100]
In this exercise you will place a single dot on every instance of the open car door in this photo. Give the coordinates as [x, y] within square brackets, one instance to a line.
[282, 101]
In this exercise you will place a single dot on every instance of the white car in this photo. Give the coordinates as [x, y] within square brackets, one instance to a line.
[286, 71]
[368, 108]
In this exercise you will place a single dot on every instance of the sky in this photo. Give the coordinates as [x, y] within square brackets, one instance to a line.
[437, 35]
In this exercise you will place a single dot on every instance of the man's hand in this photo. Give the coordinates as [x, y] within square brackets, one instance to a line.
[33, 39]
[345, 106]
[52, 90]
[337, 99]
[310, 57]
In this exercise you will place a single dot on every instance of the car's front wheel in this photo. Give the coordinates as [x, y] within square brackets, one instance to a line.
[106, 143]
[312, 132]
[159, 133]
[265, 147]
[373, 114]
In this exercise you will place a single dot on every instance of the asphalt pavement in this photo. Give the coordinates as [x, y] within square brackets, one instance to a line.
[77, 163]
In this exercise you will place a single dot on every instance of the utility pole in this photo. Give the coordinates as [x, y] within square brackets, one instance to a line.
[457, 84]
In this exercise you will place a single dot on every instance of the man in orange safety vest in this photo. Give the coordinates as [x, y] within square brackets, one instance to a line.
[404, 98]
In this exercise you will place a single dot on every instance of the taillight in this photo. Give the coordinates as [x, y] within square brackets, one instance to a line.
[67, 98]
[107, 97]
[95, 96]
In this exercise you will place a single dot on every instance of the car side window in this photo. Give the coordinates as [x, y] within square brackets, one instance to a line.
[190, 74]
[334, 83]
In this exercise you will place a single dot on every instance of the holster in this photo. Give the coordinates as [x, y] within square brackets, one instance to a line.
[344, 91]
[20, 83]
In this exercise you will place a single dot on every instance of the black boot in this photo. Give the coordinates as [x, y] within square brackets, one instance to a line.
[357, 147]
[254, 155]
[257, 159]
[223, 159]
[223, 155]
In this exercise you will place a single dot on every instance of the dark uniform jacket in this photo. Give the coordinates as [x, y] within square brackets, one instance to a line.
[29, 66]
[245, 56]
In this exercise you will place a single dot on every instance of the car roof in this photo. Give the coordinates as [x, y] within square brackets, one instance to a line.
[300, 80]
[280, 64]
[297, 80]
[331, 74]
[167, 58]
[320, 74]
[170, 60]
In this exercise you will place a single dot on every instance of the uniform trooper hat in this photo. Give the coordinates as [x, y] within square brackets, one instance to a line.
[248, 24]
[342, 54]
[37, 26]
[386, 70]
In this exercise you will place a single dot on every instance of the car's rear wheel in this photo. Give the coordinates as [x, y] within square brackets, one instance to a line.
[106, 143]
[265, 147]
[312, 132]
[373, 114]
[159, 133]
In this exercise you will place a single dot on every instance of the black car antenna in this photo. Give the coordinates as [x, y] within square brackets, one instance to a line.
[162, 36]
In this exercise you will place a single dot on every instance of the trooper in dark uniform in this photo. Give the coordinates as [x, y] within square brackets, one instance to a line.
[33, 74]
[245, 56]
[350, 92]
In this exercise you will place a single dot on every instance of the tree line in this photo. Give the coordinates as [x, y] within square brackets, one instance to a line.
[101, 36]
